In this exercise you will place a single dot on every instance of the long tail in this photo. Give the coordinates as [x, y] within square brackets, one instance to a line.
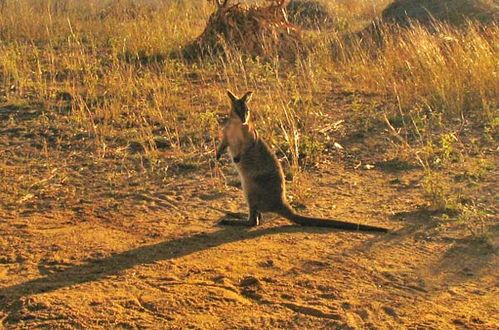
[290, 214]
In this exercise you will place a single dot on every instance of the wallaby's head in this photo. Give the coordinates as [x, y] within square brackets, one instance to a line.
[238, 131]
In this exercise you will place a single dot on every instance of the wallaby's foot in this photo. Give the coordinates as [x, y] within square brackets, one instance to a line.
[254, 217]
[235, 219]
[253, 220]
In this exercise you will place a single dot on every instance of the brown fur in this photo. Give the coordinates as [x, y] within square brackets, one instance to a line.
[261, 173]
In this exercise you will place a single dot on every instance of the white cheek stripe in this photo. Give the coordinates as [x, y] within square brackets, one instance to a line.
[246, 120]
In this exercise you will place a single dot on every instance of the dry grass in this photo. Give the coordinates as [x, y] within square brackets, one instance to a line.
[102, 71]
[449, 72]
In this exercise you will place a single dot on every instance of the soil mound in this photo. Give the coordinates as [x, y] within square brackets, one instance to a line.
[262, 31]
[455, 12]
[428, 13]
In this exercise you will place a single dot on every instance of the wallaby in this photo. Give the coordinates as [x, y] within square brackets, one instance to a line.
[261, 173]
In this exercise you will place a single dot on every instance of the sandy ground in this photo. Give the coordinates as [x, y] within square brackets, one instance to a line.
[81, 250]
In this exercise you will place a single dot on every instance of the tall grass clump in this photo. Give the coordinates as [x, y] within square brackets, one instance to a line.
[449, 73]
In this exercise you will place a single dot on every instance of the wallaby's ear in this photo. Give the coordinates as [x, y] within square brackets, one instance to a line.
[232, 97]
[247, 97]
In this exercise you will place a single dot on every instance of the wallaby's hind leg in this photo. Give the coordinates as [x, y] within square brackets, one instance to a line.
[253, 219]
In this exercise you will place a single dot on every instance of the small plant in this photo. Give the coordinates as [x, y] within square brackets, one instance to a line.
[475, 221]
[439, 193]
[310, 150]
[447, 142]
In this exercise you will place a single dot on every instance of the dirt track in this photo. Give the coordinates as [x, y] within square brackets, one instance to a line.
[150, 255]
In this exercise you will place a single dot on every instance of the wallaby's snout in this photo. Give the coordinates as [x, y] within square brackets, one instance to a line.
[238, 132]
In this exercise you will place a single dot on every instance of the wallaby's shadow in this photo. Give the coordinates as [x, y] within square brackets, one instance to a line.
[171, 249]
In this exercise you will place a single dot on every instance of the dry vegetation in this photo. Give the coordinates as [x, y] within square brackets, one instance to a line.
[101, 119]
